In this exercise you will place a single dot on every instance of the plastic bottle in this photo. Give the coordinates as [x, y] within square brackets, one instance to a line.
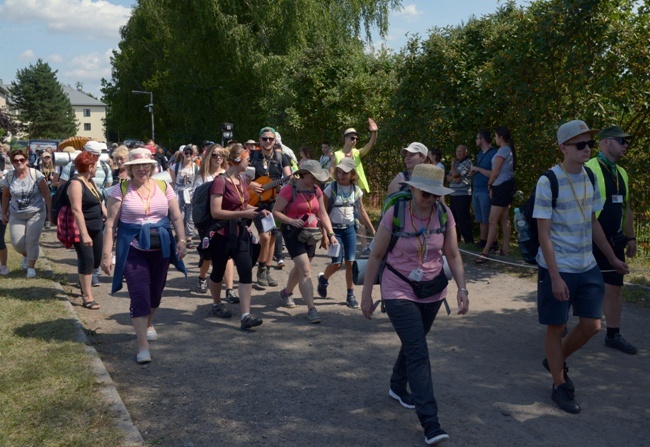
[521, 226]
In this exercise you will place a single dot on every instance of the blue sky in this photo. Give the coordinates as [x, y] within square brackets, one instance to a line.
[76, 37]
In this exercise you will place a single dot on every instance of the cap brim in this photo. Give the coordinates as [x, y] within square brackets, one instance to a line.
[428, 187]
[321, 176]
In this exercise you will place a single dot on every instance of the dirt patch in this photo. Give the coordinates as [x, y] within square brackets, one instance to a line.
[295, 384]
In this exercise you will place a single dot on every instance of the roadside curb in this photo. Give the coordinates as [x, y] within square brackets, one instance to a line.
[107, 389]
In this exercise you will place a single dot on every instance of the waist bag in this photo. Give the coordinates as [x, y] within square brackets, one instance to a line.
[424, 289]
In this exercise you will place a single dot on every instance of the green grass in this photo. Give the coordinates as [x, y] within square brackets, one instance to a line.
[48, 391]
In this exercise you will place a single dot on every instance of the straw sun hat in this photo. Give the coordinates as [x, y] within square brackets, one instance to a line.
[428, 178]
[140, 156]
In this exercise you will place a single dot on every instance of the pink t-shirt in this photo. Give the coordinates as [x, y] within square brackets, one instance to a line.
[405, 258]
[133, 206]
[231, 196]
[305, 203]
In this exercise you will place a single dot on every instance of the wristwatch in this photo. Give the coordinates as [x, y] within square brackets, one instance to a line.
[330, 234]
[464, 290]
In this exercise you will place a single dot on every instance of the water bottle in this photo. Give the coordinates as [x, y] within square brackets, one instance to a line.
[521, 226]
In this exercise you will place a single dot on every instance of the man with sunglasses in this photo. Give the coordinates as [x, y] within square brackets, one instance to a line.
[568, 275]
[616, 221]
[350, 139]
[273, 166]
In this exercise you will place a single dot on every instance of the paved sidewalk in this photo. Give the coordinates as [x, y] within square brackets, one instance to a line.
[294, 384]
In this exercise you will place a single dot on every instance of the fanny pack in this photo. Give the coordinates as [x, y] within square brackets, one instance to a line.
[310, 236]
[424, 289]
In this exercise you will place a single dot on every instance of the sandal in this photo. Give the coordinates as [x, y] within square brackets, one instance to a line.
[482, 259]
[92, 305]
[504, 253]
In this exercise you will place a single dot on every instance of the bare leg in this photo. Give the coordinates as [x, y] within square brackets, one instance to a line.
[215, 290]
[229, 274]
[140, 326]
[245, 291]
[484, 228]
[331, 269]
[348, 275]
[495, 214]
[302, 266]
[554, 353]
[613, 305]
[506, 228]
[86, 289]
[150, 318]
[579, 335]
[205, 268]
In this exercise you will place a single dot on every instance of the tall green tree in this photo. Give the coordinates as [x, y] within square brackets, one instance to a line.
[7, 124]
[44, 108]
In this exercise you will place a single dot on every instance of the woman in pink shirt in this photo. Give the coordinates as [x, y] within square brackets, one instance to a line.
[299, 208]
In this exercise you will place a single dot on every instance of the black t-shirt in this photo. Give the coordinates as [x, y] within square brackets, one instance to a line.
[91, 208]
[271, 166]
[611, 216]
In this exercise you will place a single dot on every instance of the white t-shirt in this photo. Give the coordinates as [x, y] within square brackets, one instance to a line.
[344, 203]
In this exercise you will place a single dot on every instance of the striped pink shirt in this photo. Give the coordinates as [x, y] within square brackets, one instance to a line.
[133, 206]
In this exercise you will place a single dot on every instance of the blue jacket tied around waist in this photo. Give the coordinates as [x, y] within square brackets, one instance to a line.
[126, 232]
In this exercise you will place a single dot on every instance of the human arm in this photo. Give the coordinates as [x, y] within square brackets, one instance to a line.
[394, 184]
[364, 218]
[326, 224]
[497, 162]
[278, 213]
[114, 207]
[559, 287]
[6, 196]
[217, 211]
[177, 221]
[44, 188]
[75, 195]
[372, 127]
[598, 235]
[455, 261]
[629, 232]
[379, 247]
[172, 174]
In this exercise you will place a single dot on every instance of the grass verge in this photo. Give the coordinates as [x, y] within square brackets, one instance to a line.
[48, 391]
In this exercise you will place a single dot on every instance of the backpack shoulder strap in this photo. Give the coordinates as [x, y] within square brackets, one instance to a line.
[333, 195]
[591, 175]
[124, 187]
[552, 179]
[161, 184]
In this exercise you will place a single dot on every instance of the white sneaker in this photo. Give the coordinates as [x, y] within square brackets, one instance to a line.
[4, 270]
[152, 335]
[31, 273]
[24, 264]
[143, 357]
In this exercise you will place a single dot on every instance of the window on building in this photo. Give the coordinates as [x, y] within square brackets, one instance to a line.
[86, 126]
[86, 112]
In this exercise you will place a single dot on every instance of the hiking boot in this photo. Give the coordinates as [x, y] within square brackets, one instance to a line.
[250, 321]
[261, 277]
[618, 342]
[231, 298]
[404, 398]
[269, 279]
[287, 301]
[202, 285]
[564, 399]
[351, 302]
[219, 310]
[435, 436]
[567, 380]
[312, 316]
[322, 285]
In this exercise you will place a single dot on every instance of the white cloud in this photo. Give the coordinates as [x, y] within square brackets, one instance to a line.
[55, 58]
[93, 19]
[409, 13]
[88, 67]
[27, 55]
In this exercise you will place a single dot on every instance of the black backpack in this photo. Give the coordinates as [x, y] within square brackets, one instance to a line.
[530, 247]
[59, 199]
[201, 213]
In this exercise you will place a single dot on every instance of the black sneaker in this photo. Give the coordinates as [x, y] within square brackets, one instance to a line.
[567, 380]
[351, 301]
[618, 342]
[219, 310]
[322, 285]
[231, 298]
[404, 398]
[564, 399]
[436, 437]
[250, 321]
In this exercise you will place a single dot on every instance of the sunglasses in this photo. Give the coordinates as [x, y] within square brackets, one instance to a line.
[19, 160]
[582, 144]
[426, 195]
[216, 155]
[268, 138]
[621, 140]
[354, 138]
[187, 153]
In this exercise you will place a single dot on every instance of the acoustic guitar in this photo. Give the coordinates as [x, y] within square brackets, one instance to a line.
[269, 190]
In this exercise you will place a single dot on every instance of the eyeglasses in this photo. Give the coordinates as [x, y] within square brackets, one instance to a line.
[621, 140]
[19, 160]
[582, 144]
[268, 138]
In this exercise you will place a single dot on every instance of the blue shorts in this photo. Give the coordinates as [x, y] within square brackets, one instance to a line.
[481, 205]
[347, 237]
[586, 293]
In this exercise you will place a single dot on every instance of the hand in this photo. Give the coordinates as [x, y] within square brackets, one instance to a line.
[86, 241]
[181, 249]
[490, 193]
[367, 309]
[473, 169]
[620, 267]
[560, 290]
[463, 302]
[256, 187]
[372, 126]
[107, 264]
[298, 223]
[249, 213]
[631, 249]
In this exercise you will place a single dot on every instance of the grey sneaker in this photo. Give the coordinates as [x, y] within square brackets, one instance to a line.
[219, 310]
[618, 342]
[262, 280]
[287, 301]
[202, 285]
[250, 321]
[351, 301]
[312, 316]
[231, 298]
[269, 279]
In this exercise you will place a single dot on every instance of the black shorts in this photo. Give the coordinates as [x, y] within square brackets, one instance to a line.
[611, 278]
[294, 246]
[503, 194]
